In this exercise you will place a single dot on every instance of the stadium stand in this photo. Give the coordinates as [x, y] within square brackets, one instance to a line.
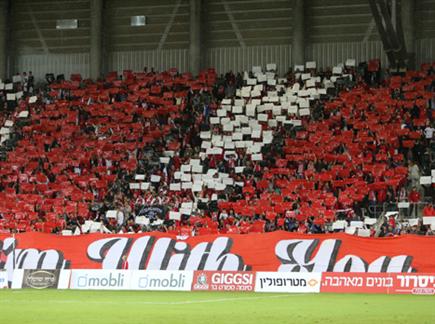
[312, 152]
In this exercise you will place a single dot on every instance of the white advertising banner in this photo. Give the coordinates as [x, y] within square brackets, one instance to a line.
[3, 279]
[161, 280]
[100, 279]
[131, 280]
[288, 282]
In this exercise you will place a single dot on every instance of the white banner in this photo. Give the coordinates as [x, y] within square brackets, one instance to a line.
[288, 282]
[131, 280]
[162, 280]
[3, 279]
[100, 279]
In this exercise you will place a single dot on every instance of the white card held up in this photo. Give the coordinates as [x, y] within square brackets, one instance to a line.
[256, 69]
[310, 65]
[196, 187]
[174, 215]
[239, 102]
[239, 169]
[186, 211]
[237, 137]
[187, 177]
[134, 186]
[271, 67]
[10, 97]
[304, 112]
[185, 168]
[261, 78]
[144, 185]
[164, 160]
[175, 186]
[139, 177]
[214, 120]
[276, 110]
[403, 204]
[257, 157]
[295, 122]
[426, 180]
[271, 123]
[238, 109]
[221, 112]
[9, 86]
[250, 109]
[228, 127]
[305, 76]
[205, 145]
[226, 101]
[280, 119]
[195, 162]
[251, 81]
[205, 135]
[262, 117]
[155, 178]
[350, 62]
[246, 130]
[292, 110]
[197, 169]
[310, 83]
[256, 134]
[337, 70]
[271, 82]
[186, 185]
[255, 93]
[33, 99]
[16, 78]
[23, 114]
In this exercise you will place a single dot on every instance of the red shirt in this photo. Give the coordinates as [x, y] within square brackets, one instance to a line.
[414, 196]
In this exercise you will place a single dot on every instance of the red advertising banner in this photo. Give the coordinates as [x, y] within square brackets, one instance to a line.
[276, 251]
[223, 281]
[380, 283]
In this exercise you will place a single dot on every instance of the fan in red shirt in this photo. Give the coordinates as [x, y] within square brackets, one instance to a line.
[414, 199]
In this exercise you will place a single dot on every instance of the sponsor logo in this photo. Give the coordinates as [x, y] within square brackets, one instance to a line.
[287, 282]
[224, 281]
[40, 279]
[312, 282]
[283, 282]
[423, 291]
[232, 278]
[151, 282]
[110, 281]
[201, 282]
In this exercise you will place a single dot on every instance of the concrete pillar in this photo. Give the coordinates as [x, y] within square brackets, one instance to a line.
[96, 38]
[195, 37]
[298, 43]
[3, 38]
[408, 25]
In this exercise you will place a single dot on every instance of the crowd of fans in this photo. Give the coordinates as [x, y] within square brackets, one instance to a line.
[365, 143]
